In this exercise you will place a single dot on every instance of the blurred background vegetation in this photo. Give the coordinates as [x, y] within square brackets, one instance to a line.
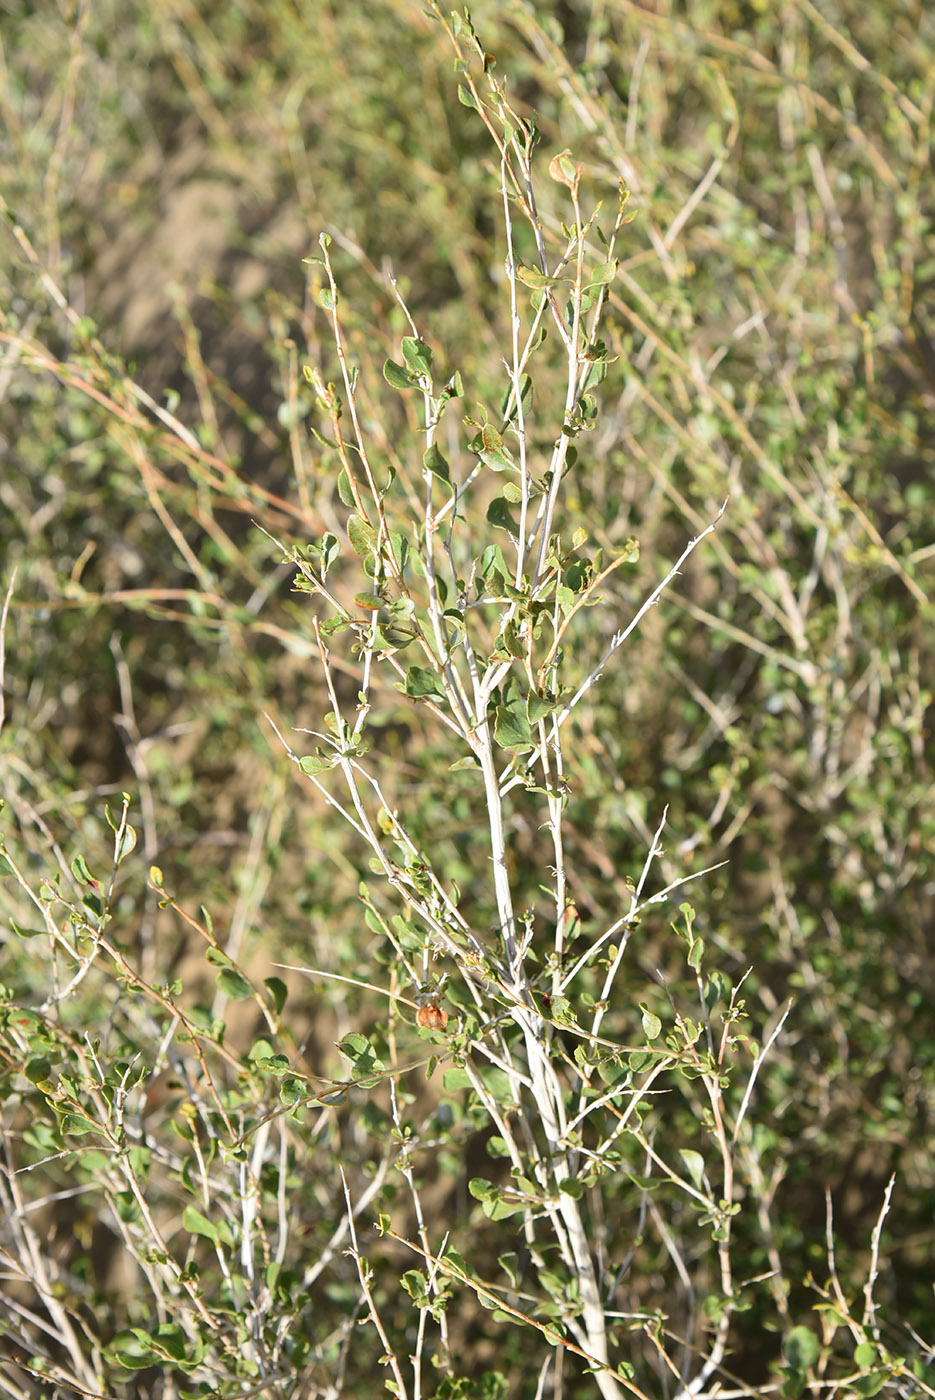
[165, 169]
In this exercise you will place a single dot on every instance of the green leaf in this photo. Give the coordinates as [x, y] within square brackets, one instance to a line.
[291, 1090]
[125, 1204]
[538, 280]
[400, 610]
[652, 1026]
[127, 1351]
[492, 561]
[278, 991]
[358, 1050]
[563, 1012]
[344, 488]
[553, 1284]
[500, 1209]
[5, 866]
[76, 1124]
[37, 1069]
[492, 449]
[416, 1285]
[612, 1071]
[389, 638]
[872, 1384]
[417, 355]
[398, 376]
[492, 1199]
[606, 272]
[539, 706]
[509, 642]
[800, 1348]
[362, 536]
[644, 1183]
[466, 98]
[328, 551]
[511, 730]
[498, 513]
[80, 870]
[27, 932]
[434, 462]
[455, 621]
[400, 545]
[421, 682]
[313, 764]
[716, 988]
[126, 843]
[694, 1162]
[233, 985]
[167, 1337]
[197, 1224]
[696, 955]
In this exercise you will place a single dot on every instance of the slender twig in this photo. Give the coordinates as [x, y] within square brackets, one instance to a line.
[620, 637]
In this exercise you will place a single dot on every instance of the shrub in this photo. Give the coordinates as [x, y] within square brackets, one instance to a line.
[602, 858]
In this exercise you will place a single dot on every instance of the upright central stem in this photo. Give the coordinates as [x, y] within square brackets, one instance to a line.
[547, 1091]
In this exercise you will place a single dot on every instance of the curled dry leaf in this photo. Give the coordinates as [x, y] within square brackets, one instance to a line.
[432, 1017]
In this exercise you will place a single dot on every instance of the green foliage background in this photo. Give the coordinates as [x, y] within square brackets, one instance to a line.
[771, 340]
